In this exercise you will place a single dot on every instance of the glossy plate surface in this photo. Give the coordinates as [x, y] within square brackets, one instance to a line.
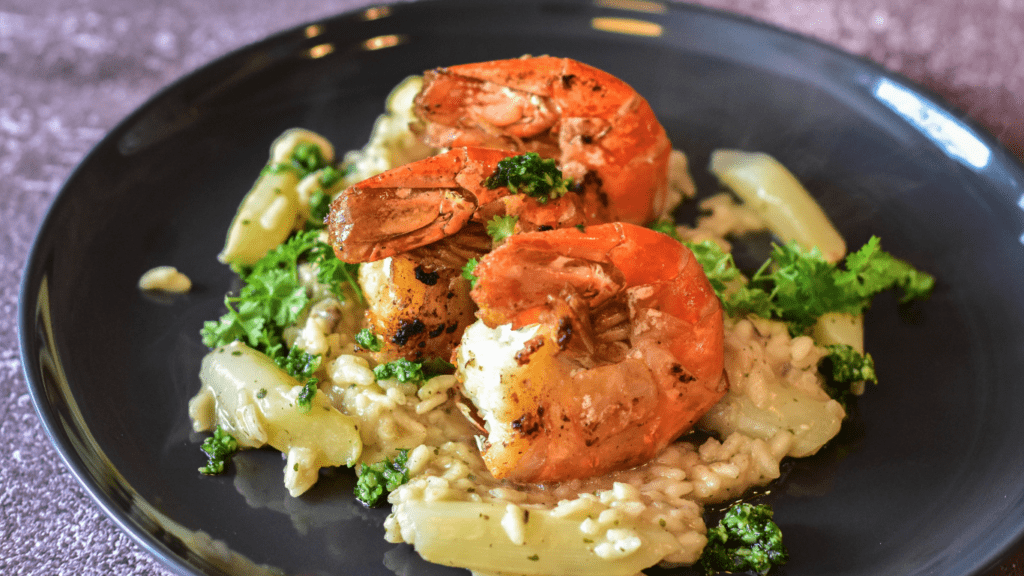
[926, 477]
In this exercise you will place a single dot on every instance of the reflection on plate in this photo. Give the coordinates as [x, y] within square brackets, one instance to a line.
[924, 479]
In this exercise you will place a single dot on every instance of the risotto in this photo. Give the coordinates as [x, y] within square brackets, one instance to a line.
[617, 523]
[652, 513]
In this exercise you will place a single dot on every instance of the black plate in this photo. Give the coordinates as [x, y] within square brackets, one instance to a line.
[926, 479]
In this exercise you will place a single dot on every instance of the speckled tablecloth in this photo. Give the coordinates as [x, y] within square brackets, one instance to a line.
[71, 69]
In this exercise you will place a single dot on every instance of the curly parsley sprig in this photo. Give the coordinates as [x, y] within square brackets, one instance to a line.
[501, 227]
[273, 298]
[798, 286]
[469, 271]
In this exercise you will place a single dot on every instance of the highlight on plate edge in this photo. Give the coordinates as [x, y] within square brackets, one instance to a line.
[489, 314]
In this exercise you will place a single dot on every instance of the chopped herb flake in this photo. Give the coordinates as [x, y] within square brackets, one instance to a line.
[307, 158]
[319, 207]
[745, 540]
[367, 340]
[305, 397]
[402, 370]
[468, 271]
[529, 174]
[219, 449]
[381, 477]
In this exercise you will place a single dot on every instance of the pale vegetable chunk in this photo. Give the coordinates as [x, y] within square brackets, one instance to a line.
[255, 401]
[499, 538]
[767, 187]
[284, 146]
[310, 185]
[840, 328]
[774, 387]
[264, 218]
[267, 214]
[812, 421]
[165, 279]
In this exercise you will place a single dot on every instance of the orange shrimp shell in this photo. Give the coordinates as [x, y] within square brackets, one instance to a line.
[584, 117]
[583, 422]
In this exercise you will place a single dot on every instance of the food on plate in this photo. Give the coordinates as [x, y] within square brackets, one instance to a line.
[493, 537]
[272, 210]
[165, 279]
[429, 200]
[292, 296]
[745, 540]
[418, 224]
[772, 191]
[587, 119]
[508, 363]
[245, 394]
[774, 388]
[417, 309]
[219, 449]
[595, 348]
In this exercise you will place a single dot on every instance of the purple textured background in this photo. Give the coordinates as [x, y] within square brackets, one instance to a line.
[71, 69]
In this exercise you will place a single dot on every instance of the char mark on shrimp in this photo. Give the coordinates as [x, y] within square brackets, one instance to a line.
[427, 277]
[531, 346]
[408, 329]
[681, 374]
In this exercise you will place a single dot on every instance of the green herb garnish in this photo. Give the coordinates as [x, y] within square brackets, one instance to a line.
[531, 175]
[501, 227]
[469, 271]
[798, 286]
[274, 298]
[381, 477]
[307, 158]
[745, 540]
[219, 449]
[666, 226]
[319, 207]
[367, 340]
[402, 370]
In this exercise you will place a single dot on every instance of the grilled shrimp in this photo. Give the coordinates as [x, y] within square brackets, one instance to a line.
[593, 351]
[418, 225]
[585, 118]
[426, 201]
[419, 310]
